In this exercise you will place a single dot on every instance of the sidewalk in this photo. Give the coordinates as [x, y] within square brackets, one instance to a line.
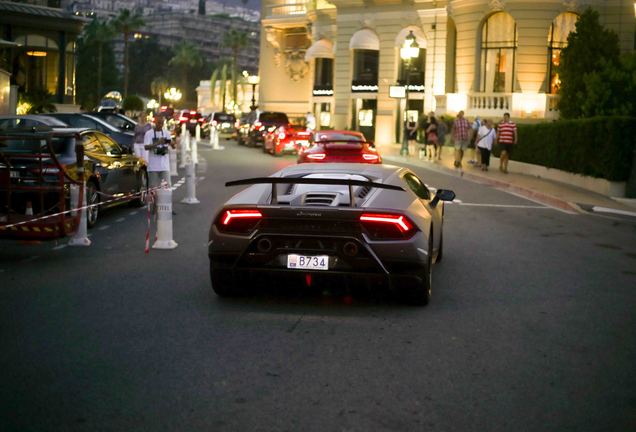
[552, 193]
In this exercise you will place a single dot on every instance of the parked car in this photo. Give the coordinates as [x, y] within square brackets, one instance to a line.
[120, 121]
[324, 222]
[258, 124]
[88, 121]
[340, 146]
[191, 119]
[37, 169]
[287, 139]
[225, 123]
[29, 121]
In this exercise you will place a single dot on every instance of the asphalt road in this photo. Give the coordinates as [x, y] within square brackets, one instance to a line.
[531, 328]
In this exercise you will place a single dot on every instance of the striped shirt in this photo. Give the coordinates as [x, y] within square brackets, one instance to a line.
[507, 132]
[460, 128]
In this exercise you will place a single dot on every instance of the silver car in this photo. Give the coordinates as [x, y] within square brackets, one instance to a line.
[319, 222]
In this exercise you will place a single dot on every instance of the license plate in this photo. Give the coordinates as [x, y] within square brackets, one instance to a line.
[304, 262]
[14, 174]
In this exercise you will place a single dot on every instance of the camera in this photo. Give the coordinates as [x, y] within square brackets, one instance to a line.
[161, 146]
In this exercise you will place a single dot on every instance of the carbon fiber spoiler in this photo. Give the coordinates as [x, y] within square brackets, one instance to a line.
[318, 181]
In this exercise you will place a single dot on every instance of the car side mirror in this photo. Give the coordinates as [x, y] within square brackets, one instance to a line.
[442, 195]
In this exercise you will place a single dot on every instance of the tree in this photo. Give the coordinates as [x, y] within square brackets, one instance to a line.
[127, 23]
[236, 40]
[219, 75]
[158, 87]
[147, 62]
[96, 69]
[186, 58]
[592, 52]
[39, 101]
[133, 103]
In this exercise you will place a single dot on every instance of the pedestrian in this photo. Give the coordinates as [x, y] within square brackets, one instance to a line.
[484, 141]
[431, 137]
[411, 134]
[506, 138]
[441, 136]
[460, 133]
[156, 141]
[473, 141]
[141, 128]
[422, 125]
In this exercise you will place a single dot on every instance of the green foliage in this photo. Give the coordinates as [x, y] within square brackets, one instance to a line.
[187, 62]
[133, 103]
[147, 62]
[127, 23]
[598, 147]
[94, 48]
[592, 74]
[40, 101]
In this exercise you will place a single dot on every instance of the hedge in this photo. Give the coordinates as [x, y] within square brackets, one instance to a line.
[598, 147]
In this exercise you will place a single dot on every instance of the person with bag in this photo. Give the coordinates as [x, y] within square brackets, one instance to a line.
[157, 141]
[484, 141]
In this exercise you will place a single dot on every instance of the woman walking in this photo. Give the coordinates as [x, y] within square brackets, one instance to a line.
[485, 138]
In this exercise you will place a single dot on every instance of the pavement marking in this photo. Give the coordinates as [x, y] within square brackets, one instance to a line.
[501, 205]
[60, 247]
[613, 211]
[538, 202]
[104, 227]
[120, 219]
[132, 213]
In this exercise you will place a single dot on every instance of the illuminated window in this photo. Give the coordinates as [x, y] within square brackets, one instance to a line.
[498, 48]
[561, 27]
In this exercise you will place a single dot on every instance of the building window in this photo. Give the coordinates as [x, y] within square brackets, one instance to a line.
[365, 67]
[498, 48]
[561, 27]
[323, 77]
[36, 67]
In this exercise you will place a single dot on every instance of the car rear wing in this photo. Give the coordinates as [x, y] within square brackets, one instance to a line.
[316, 181]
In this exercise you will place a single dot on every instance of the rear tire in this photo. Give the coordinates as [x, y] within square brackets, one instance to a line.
[223, 283]
[419, 291]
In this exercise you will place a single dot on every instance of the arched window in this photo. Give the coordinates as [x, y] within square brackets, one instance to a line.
[498, 48]
[561, 27]
[366, 56]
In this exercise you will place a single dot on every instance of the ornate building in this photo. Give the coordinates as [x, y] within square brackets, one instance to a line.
[341, 58]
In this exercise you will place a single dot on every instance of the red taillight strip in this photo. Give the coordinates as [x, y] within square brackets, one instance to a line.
[317, 156]
[243, 214]
[398, 220]
[369, 156]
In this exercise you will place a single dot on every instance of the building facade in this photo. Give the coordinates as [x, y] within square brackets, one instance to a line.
[341, 59]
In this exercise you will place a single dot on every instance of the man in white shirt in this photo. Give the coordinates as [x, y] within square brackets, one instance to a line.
[156, 141]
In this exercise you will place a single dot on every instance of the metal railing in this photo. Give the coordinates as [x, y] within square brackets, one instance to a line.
[287, 10]
[490, 101]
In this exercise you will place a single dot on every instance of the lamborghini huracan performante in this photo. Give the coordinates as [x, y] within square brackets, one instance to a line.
[319, 222]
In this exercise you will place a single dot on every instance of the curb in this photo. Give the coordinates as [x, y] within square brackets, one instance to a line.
[532, 194]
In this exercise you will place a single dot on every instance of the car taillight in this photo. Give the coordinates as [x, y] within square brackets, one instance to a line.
[316, 156]
[281, 134]
[370, 157]
[386, 226]
[193, 112]
[201, 119]
[182, 119]
[239, 220]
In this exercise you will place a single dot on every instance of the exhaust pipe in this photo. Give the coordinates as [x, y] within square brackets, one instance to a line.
[264, 245]
[350, 249]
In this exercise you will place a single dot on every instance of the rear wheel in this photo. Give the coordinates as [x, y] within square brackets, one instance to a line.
[223, 283]
[92, 200]
[419, 291]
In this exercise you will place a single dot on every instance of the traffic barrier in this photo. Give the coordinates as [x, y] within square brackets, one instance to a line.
[194, 150]
[183, 147]
[164, 220]
[29, 209]
[197, 133]
[80, 238]
[190, 184]
[173, 162]
[214, 139]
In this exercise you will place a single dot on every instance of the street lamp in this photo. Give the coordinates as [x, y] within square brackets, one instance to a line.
[173, 94]
[253, 80]
[410, 50]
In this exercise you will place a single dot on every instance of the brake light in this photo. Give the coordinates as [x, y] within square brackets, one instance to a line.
[384, 226]
[239, 220]
[316, 156]
[258, 125]
[193, 112]
[182, 119]
[370, 156]
[202, 119]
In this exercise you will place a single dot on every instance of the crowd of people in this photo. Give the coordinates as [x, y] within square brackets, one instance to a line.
[429, 136]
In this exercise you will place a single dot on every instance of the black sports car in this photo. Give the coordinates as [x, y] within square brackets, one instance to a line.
[321, 221]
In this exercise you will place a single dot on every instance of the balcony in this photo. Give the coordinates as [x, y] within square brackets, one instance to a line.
[493, 105]
[298, 9]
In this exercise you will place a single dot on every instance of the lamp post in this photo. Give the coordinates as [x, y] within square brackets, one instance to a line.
[410, 50]
[173, 94]
[253, 80]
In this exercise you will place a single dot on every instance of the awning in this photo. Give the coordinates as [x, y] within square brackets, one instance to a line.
[365, 39]
[322, 48]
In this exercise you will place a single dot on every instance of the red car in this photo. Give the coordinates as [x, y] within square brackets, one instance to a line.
[340, 146]
[286, 139]
[191, 118]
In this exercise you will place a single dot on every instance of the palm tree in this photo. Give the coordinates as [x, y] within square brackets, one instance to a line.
[219, 75]
[101, 34]
[127, 23]
[236, 40]
[186, 57]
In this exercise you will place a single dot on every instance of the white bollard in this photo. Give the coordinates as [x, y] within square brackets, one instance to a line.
[183, 151]
[197, 133]
[164, 220]
[215, 144]
[173, 162]
[194, 150]
[190, 185]
[212, 133]
[80, 238]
